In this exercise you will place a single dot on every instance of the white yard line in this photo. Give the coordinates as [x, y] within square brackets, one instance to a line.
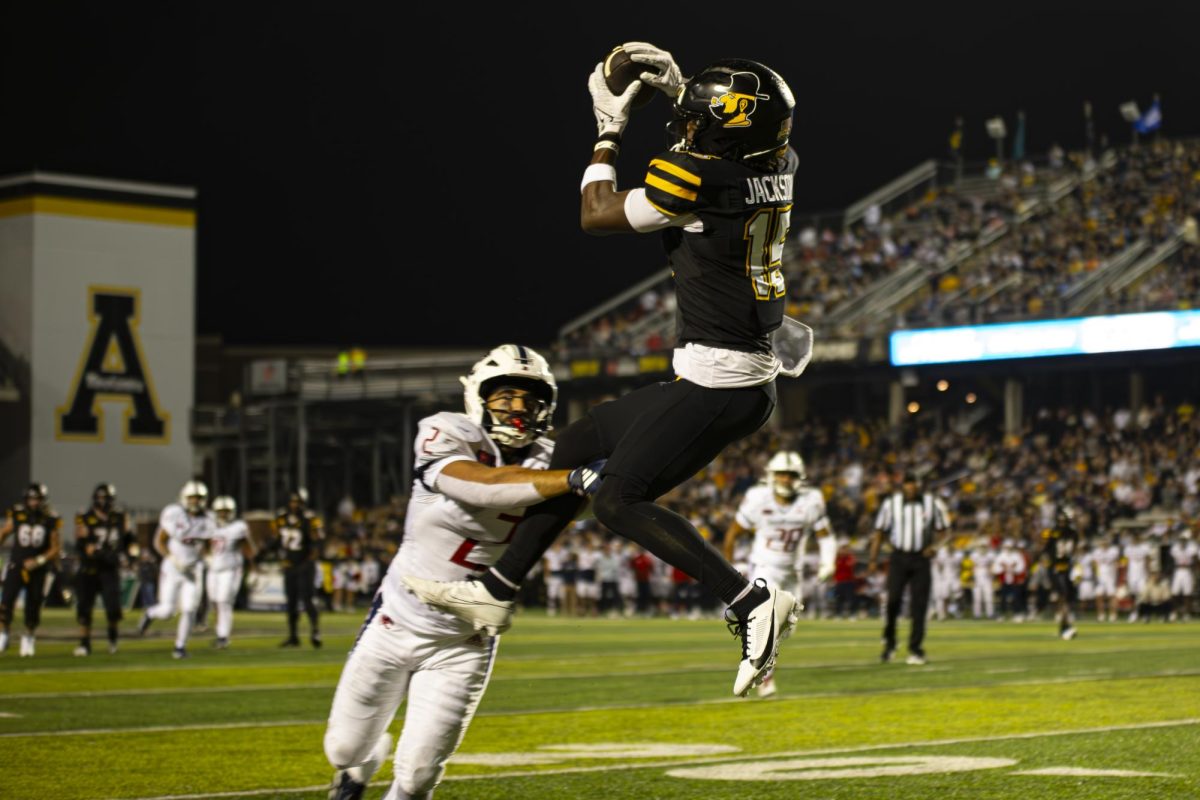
[264, 687]
[720, 759]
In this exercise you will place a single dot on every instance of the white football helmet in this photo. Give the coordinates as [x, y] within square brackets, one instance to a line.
[194, 496]
[225, 508]
[521, 368]
[787, 462]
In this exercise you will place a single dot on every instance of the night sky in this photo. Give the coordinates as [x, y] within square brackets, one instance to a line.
[396, 179]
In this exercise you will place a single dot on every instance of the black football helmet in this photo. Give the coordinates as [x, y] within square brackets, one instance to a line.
[36, 492]
[742, 110]
[104, 496]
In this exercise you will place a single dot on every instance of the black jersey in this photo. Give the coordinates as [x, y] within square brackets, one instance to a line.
[298, 535]
[1059, 544]
[729, 281]
[31, 531]
[108, 535]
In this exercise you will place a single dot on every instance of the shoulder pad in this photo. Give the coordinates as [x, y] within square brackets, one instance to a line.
[673, 182]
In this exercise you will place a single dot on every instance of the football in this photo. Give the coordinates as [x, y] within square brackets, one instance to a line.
[620, 70]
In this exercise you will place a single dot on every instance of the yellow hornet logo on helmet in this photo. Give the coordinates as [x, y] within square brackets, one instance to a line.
[736, 102]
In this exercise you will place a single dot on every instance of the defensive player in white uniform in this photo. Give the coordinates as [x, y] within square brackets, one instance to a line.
[1183, 583]
[947, 583]
[476, 475]
[983, 598]
[783, 514]
[230, 543]
[183, 530]
[1137, 570]
[1107, 558]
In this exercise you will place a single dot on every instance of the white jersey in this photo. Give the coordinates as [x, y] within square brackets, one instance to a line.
[1009, 565]
[781, 529]
[1137, 556]
[555, 558]
[1107, 560]
[983, 561]
[186, 534]
[225, 549]
[947, 567]
[445, 540]
[1184, 554]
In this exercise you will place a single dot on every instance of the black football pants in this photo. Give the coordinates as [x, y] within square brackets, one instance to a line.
[33, 582]
[106, 583]
[298, 586]
[655, 438]
[912, 570]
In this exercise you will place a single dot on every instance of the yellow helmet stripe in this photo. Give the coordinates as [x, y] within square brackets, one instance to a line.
[678, 172]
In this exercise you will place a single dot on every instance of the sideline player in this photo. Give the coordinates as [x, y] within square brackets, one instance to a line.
[103, 535]
[229, 545]
[1060, 543]
[298, 534]
[36, 530]
[475, 476]
[722, 198]
[183, 529]
[782, 514]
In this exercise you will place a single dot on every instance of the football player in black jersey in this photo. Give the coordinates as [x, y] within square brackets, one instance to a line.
[722, 198]
[36, 543]
[1059, 544]
[103, 534]
[298, 533]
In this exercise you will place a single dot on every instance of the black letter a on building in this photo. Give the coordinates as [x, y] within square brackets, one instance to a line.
[113, 369]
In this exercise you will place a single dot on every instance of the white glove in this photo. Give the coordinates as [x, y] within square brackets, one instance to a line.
[612, 111]
[824, 573]
[666, 76]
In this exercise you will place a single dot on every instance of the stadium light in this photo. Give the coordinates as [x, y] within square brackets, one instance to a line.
[943, 385]
[1130, 111]
[996, 130]
[914, 407]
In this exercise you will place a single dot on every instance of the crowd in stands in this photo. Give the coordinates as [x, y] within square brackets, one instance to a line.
[1002, 491]
[1146, 194]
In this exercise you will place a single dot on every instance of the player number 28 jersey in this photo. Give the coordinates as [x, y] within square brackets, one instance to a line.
[780, 529]
[728, 263]
[445, 540]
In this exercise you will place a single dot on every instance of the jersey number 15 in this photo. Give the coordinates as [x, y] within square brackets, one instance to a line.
[765, 233]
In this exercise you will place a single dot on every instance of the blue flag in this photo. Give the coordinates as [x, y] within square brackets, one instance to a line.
[1151, 120]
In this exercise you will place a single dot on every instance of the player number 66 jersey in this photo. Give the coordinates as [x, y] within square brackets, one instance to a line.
[780, 529]
[444, 539]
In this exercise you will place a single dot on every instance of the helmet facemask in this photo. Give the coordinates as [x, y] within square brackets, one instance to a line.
[786, 484]
[516, 410]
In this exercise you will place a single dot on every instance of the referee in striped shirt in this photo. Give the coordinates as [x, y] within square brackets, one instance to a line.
[912, 520]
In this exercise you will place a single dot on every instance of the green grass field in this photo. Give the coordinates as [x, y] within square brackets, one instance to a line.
[633, 709]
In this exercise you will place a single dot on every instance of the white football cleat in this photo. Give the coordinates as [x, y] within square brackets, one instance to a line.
[767, 688]
[3, 641]
[762, 630]
[467, 600]
[26, 646]
[1068, 634]
[80, 651]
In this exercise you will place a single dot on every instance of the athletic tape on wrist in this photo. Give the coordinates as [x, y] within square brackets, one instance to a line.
[607, 144]
[599, 172]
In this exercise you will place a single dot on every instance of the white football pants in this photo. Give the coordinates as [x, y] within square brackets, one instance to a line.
[178, 590]
[443, 680]
[223, 585]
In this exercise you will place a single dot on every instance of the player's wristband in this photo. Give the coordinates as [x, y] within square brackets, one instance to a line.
[41, 561]
[607, 144]
[599, 172]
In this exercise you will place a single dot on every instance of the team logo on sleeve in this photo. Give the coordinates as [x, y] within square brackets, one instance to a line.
[737, 100]
[112, 368]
